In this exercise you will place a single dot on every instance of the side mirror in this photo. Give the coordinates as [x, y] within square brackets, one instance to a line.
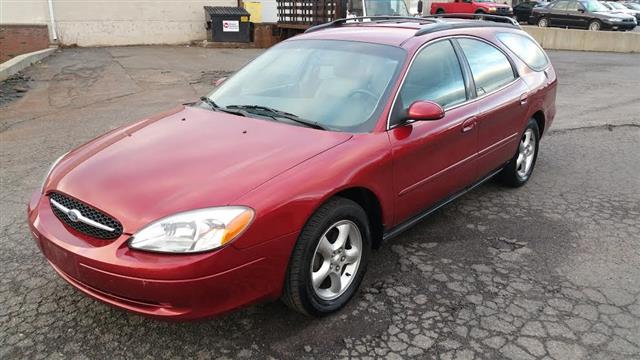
[581, 10]
[425, 110]
[419, 6]
[218, 82]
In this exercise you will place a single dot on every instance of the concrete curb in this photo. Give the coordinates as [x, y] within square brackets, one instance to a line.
[20, 62]
[584, 40]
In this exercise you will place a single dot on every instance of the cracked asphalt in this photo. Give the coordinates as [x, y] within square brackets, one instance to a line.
[547, 271]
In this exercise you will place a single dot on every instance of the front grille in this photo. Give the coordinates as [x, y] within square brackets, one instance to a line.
[88, 212]
[502, 10]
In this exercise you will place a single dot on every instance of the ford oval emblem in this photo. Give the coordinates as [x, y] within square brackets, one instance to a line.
[74, 215]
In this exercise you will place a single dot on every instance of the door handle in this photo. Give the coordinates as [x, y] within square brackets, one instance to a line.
[469, 124]
[524, 98]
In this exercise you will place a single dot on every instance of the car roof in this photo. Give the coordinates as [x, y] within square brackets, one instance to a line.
[393, 30]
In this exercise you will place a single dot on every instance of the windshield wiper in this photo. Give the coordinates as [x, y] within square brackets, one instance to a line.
[212, 104]
[215, 107]
[275, 113]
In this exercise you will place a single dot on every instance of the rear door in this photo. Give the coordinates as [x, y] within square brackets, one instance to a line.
[501, 100]
[433, 159]
[558, 13]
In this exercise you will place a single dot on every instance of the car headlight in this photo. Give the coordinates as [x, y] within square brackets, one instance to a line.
[194, 231]
[492, 9]
[46, 176]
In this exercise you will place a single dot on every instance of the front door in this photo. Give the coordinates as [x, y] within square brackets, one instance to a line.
[575, 15]
[432, 159]
[465, 6]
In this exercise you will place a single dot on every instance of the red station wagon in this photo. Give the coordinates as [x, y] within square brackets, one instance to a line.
[280, 182]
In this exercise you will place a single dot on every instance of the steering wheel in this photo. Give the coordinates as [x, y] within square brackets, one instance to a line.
[356, 92]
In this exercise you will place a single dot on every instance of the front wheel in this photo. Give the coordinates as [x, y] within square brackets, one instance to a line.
[440, 11]
[595, 25]
[519, 169]
[329, 259]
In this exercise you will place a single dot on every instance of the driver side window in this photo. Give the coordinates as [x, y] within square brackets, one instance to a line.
[435, 75]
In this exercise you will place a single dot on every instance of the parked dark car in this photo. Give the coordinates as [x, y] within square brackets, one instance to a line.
[522, 11]
[582, 14]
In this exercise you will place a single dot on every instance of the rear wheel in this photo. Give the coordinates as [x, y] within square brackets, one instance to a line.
[543, 22]
[595, 25]
[329, 260]
[519, 169]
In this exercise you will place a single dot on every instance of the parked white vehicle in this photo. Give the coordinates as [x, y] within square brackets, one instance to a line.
[618, 7]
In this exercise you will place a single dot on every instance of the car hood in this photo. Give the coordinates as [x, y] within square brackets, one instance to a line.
[185, 159]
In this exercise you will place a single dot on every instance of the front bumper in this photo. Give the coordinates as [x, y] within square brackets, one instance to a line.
[168, 286]
[619, 25]
[507, 13]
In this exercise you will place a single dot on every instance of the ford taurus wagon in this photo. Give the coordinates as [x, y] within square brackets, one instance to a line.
[279, 183]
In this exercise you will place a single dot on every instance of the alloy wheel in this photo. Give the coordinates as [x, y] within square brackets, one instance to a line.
[336, 260]
[543, 22]
[526, 154]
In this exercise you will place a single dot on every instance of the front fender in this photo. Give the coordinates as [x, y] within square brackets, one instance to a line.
[284, 204]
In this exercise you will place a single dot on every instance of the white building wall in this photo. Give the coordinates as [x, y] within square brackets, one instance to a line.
[116, 22]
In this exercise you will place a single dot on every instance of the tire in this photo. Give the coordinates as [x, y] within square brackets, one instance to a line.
[328, 296]
[543, 22]
[440, 11]
[519, 169]
[594, 25]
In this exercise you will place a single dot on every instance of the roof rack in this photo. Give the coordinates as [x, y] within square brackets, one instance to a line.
[492, 21]
[435, 22]
[478, 16]
[374, 19]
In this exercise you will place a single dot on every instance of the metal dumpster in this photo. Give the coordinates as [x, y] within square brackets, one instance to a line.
[227, 24]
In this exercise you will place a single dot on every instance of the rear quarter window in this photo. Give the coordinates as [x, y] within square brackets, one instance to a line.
[526, 49]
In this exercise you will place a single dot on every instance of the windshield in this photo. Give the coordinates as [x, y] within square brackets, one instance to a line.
[386, 7]
[633, 6]
[339, 85]
[593, 6]
[617, 6]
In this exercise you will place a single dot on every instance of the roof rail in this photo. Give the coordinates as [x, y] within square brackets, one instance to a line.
[478, 16]
[373, 19]
[493, 21]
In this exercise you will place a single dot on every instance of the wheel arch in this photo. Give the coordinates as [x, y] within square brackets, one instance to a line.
[371, 204]
[540, 119]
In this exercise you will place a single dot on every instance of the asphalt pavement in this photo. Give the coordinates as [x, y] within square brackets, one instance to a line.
[547, 271]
